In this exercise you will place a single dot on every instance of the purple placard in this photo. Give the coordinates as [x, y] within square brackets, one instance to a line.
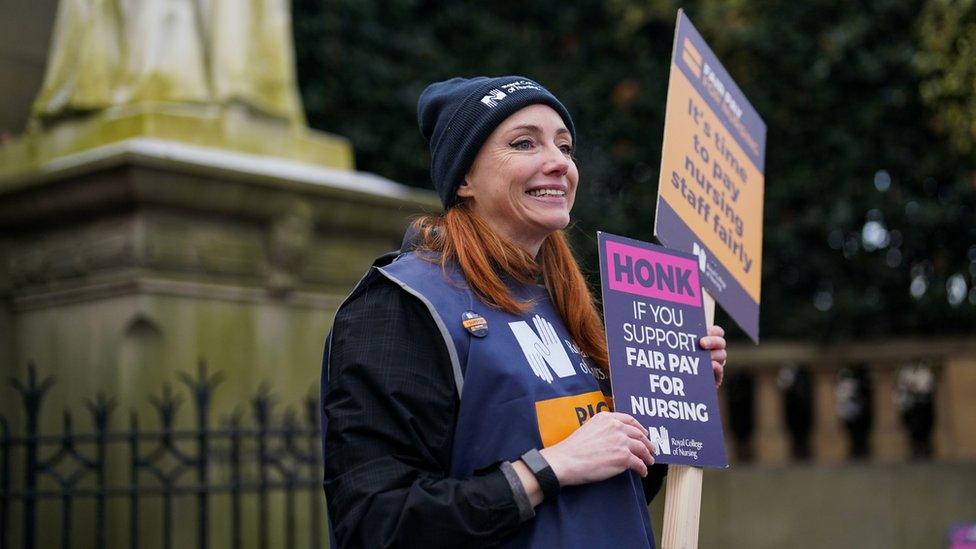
[674, 234]
[713, 83]
[962, 536]
[654, 319]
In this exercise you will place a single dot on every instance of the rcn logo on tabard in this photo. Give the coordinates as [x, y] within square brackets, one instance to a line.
[542, 348]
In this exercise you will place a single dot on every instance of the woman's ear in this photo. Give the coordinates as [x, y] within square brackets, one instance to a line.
[464, 190]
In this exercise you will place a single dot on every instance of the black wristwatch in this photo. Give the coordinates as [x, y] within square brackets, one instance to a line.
[543, 473]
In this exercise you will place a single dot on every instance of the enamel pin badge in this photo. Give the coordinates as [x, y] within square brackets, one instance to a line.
[474, 323]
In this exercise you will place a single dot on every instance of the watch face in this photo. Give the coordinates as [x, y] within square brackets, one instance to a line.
[535, 461]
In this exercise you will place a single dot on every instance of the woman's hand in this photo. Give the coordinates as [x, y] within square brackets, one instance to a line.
[606, 445]
[715, 342]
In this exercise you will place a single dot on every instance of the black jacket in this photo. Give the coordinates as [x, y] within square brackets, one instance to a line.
[392, 406]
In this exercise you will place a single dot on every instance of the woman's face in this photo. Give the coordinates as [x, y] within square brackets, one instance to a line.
[523, 181]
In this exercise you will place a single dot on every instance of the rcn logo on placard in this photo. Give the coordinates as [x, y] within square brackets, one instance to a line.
[660, 439]
[542, 348]
[699, 252]
[493, 97]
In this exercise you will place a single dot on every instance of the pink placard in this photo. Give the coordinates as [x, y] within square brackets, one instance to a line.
[644, 272]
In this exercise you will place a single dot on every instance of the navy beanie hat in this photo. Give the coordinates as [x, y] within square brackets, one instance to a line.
[456, 117]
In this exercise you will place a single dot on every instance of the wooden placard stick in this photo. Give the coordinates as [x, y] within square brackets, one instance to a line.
[682, 504]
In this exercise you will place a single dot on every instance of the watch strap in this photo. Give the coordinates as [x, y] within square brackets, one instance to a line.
[543, 473]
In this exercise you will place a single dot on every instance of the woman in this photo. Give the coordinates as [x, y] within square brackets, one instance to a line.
[453, 381]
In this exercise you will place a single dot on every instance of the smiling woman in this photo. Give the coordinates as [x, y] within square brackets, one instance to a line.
[465, 403]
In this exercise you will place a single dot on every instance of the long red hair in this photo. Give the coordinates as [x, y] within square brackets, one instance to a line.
[484, 256]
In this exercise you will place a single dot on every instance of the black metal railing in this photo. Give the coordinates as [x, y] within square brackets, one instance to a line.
[135, 487]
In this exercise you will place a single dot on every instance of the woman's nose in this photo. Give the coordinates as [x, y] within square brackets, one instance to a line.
[556, 161]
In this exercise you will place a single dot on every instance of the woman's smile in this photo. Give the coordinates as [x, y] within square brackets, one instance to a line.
[555, 194]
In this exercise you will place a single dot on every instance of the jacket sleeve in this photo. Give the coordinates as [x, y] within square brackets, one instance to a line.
[391, 406]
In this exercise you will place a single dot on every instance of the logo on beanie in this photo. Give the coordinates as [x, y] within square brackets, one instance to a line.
[493, 97]
[520, 85]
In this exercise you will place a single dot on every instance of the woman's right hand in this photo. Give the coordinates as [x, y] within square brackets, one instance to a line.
[606, 445]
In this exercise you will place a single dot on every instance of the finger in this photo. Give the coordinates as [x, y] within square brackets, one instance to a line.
[627, 419]
[716, 330]
[637, 465]
[636, 433]
[640, 436]
[641, 451]
[718, 370]
[719, 355]
[649, 457]
[712, 342]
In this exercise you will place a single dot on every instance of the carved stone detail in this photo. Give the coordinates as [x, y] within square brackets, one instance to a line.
[289, 241]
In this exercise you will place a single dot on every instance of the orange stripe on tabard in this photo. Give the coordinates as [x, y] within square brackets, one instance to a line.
[559, 417]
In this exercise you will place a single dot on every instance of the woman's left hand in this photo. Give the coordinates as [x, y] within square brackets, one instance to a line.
[715, 342]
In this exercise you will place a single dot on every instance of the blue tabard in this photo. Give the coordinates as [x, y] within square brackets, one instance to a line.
[524, 385]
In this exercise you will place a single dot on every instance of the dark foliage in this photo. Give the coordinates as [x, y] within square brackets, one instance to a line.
[870, 181]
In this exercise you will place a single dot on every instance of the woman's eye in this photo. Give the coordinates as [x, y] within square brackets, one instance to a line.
[522, 144]
[567, 149]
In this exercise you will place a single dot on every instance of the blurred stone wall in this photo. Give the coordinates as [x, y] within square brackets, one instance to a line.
[867, 506]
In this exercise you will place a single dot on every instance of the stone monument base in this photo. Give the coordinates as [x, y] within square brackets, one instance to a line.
[122, 265]
[236, 128]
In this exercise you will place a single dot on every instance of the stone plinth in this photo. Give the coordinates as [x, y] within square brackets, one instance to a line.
[124, 264]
